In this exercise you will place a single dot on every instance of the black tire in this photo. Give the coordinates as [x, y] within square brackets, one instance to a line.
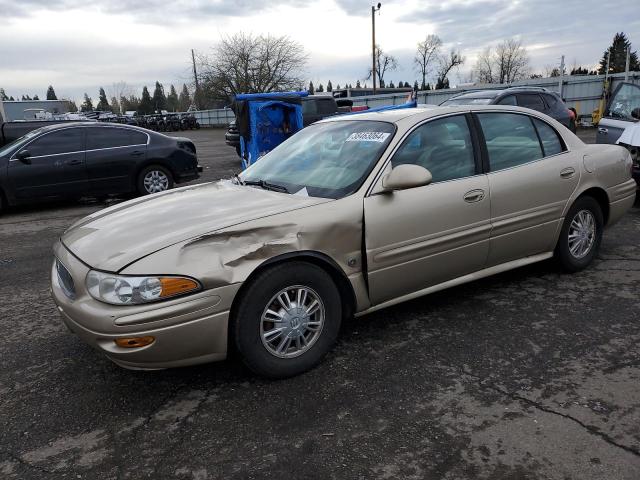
[140, 183]
[247, 318]
[567, 260]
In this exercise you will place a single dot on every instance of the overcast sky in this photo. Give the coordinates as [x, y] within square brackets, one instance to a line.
[80, 45]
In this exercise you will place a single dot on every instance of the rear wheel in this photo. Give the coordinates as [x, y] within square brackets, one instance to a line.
[287, 320]
[581, 235]
[154, 179]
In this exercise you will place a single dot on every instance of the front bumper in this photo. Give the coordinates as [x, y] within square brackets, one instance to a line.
[187, 330]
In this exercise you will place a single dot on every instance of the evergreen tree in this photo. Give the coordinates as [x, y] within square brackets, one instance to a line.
[391, 84]
[71, 106]
[87, 105]
[159, 98]
[145, 106]
[618, 56]
[311, 89]
[3, 96]
[51, 94]
[36, 97]
[329, 86]
[173, 102]
[115, 105]
[428, 86]
[103, 103]
[415, 85]
[11, 99]
[320, 89]
[338, 87]
[184, 99]
[358, 84]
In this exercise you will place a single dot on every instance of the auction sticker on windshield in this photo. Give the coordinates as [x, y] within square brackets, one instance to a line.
[379, 137]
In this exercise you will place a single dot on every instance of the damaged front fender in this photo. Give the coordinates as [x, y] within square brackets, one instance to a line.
[231, 255]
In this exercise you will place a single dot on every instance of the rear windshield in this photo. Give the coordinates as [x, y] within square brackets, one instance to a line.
[467, 101]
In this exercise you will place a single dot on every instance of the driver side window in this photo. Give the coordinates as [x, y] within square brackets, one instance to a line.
[441, 146]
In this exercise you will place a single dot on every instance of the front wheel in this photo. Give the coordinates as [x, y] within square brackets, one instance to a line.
[581, 235]
[287, 319]
[154, 179]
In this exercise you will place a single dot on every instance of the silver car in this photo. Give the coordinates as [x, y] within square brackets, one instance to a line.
[350, 215]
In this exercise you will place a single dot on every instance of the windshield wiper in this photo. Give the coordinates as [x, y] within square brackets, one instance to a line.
[266, 185]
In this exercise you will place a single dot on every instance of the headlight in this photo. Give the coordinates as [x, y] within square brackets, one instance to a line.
[123, 290]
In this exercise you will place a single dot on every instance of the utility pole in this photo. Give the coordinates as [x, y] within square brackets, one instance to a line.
[195, 77]
[626, 67]
[561, 75]
[373, 44]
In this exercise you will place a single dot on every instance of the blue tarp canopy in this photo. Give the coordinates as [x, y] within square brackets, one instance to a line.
[265, 120]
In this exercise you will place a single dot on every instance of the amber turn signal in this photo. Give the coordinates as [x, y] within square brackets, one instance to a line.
[175, 286]
[134, 342]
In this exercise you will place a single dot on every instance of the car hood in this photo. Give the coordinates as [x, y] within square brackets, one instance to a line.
[115, 237]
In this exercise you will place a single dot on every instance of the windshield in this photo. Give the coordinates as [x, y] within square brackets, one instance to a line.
[624, 102]
[466, 101]
[329, 160]
[19, 141]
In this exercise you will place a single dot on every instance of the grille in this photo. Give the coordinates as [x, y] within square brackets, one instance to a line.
[66, 281]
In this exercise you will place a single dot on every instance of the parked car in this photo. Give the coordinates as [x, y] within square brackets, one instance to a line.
[87, 158]
[535, 98]
[350, 215]
[314, 108]
[622, 111]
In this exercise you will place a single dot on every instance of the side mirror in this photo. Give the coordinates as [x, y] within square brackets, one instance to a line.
[23, 156]
[406, 176]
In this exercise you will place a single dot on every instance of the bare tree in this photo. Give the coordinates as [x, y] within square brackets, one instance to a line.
[384, 63]
[504, 63]
[447, 62]
[426, 53]
[244, 63]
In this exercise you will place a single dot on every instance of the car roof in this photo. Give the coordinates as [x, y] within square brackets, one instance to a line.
[74, 123]
[425, 112]
[480, 94]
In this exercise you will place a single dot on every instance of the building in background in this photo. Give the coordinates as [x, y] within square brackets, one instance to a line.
[11, 111]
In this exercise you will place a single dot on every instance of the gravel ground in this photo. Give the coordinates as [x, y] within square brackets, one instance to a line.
[529, 374]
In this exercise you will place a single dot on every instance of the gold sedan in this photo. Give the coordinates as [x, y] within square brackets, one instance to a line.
[350, 215]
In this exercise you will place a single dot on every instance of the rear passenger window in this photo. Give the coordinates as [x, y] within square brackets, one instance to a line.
[552, 101]
[549, 137]
[533, 101]
[508, 100]
[510, 138]
[441, 146]
[113, 137]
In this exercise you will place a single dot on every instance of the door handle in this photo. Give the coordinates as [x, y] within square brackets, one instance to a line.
[568, 172]
[603, 130]
[137, 153]
[74, 162]
[474, 196]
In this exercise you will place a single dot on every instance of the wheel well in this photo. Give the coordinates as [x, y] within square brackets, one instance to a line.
[601, 197]
[327, 264]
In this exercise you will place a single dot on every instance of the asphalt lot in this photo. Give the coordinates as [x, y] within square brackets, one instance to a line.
[531, 374]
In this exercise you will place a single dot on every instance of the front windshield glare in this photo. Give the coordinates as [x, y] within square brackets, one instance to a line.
[19, 141]
[329, 160]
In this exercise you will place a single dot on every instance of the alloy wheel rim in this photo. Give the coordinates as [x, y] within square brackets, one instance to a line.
[582, 234]
[292, 321]
[156, 181]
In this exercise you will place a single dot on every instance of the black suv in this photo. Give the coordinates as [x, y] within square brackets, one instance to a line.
[535, 98]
